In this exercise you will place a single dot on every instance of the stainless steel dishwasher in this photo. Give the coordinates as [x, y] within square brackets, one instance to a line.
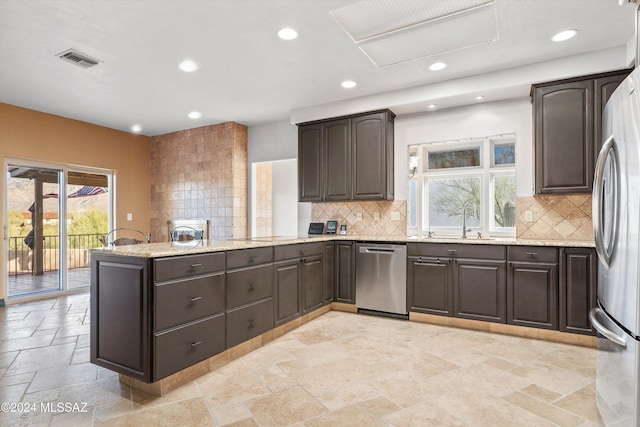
[381, 278]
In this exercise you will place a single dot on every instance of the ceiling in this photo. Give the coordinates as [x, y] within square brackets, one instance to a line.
[249, 75]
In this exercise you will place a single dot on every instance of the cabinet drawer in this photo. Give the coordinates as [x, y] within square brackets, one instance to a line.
[249, 284]
[187, 300]
[533, 254]
[249, 257]
[297, 251]
[184, 266]
[249, 322]
[181, 347]
[444, 250]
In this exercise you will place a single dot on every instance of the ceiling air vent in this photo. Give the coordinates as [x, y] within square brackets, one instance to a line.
[78, 58]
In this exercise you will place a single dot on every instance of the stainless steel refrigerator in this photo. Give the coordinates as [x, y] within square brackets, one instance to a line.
[616, 222]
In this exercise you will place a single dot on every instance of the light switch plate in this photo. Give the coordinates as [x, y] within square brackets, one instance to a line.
[395, 216]
[528, 216]
[129, 216]
[358, 216]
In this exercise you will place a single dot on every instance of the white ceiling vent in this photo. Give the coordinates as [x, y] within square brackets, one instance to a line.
[78, 58]
[394, 31]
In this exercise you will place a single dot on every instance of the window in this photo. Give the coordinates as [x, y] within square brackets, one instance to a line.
[476, 175]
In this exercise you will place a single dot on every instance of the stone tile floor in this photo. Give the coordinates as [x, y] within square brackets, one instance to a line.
[338, 370]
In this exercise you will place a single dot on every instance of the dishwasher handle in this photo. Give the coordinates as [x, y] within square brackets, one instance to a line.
[371, 250]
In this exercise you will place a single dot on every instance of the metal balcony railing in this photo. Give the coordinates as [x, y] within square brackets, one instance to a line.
[78, 245]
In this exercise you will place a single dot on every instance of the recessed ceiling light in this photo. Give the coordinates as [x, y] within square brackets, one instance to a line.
[348, 84]
[195, 115]
[431, 106]
[288, 34]
[437, 66]
[188, 65]
[136, 128]
[479, 97]
[564, 35]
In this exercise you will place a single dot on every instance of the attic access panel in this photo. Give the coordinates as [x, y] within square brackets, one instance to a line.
[395, 31]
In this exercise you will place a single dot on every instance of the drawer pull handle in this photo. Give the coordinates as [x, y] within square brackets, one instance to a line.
[453, 251]
[196, 265]
[532, 254]
[252, 323]
[301, 253]
[251, 286]
[195, 344]
[194, 299]
[252, 258]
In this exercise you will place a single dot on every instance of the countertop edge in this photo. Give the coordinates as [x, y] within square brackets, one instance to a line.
[167, 249]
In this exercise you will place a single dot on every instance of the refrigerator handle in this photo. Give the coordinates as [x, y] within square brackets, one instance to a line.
[598, 198]
[611, 336]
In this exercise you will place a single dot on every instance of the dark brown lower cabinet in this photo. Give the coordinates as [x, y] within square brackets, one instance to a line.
[328, 291]
[286, 279]
[345, 272]
[532, 292]
[480, 290]
[120, 305]
[578, 284]
[312, 283]
[246, 322]
[430, 285]
[181, 347]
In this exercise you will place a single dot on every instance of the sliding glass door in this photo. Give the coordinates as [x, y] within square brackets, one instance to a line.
[54, 216]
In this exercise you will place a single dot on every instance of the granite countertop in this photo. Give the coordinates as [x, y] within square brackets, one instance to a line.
[156, 250]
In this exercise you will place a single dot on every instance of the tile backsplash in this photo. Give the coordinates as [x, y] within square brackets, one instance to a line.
[370, 223]
[566, 217]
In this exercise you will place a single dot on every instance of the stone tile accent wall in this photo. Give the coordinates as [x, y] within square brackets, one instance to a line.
[566, 217]
[200, 173]
[264, 196]
[346, 213]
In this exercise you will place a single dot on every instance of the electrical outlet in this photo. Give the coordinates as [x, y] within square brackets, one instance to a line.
[358, 216]
[528, 216]
[395, 216]
[376, 216]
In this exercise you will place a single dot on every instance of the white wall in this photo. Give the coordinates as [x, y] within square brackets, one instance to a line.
[272, 142]
[284, 197]
[486, 119]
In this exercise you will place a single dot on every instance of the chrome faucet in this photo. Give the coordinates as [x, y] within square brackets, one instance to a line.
[464, 216]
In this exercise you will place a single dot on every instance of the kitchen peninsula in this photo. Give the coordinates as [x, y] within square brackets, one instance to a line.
[163, 314]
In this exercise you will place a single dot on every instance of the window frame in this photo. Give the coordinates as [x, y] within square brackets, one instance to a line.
[487, 171]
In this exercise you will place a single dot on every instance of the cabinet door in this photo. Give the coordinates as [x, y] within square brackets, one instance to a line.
[480, 290]
[578, 284]
[311, 283]
[337, 160]
[532, 295]
[120, 326]
[368, 139]
[430, 285]
[329, 262]
[604, 87]
[287, 277]
[563, 123]
[310, 162]
[345, 272]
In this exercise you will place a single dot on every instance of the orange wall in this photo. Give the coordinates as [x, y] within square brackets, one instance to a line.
[32, 135]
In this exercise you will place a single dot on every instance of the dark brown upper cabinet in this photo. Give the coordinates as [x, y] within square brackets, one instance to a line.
[310, 156]
[567, 130]
[346, 158]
